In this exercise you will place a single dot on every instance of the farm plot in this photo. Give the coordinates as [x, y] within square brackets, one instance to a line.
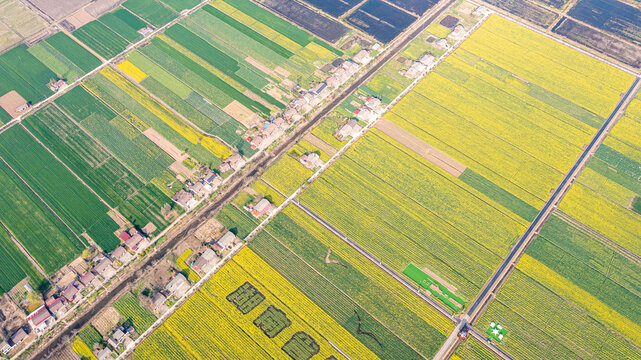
[613, 16]
[119, 187]
[70, 199]
[584, 265]
[485, 115]
[599, 41]
[78, 55]
[101, 39]
[124, 24]
[372, 183]
[473, 350]
[381, 20]
[528, 11]
[130, 309]
[350, 289]
[248, 302]
[44, 236]
[325, 28]
[154, 12]
[335, 8]
[22, 72]
[126, 98]
[120, 137]
[14, 265]
[17, 23]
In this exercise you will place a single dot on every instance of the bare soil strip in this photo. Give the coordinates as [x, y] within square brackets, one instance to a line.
[255, 63]
[420, 147]
[242, 114]
[323, 146]
[164, 144]
[10, 102]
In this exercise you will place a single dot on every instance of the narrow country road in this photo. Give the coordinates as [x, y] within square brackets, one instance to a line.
[500, 276]
[238, 182]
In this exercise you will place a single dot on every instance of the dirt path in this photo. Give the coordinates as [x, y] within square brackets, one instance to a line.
[420, 147]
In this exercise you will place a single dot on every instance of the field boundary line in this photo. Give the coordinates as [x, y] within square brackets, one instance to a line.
[67, 168]
[501, 275]
[169, 108]
[559, 40]
[336, 286]
[42, 200]
[101, 145]
[17, 242]
[604, 240]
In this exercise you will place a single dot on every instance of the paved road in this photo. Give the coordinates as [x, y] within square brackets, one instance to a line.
[253, 172]
[501, 274]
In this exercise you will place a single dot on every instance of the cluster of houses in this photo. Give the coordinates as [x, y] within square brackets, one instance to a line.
[210, 255]
[341, 71]
[121, 337]
[418, 67]
[74, 283]
[457, 33]
[268, 133]
[368, 112]
[210, 181]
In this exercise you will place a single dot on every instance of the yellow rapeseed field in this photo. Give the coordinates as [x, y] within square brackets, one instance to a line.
[215, 147]
[579, 78]
[606, 217]
[586, 301]
[132, 70]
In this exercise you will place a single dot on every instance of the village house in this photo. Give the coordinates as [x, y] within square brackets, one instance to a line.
[260, 208]
[457, 34]
[226, 242]
[22, 107]
[122, 255]
[350, 129]
[18, 337]
[158, 302]
[104, 354]
[415, 70]
[120, 336]
[341, 74]
[235, 162]
[311, 161]
[198, 188]
[351, 68]
[70, 293]
[186, 199]
[104, 269]
[365, 114]
[56, 307]
[56, 85]
[441, 44]
[40, 320]
[178, 286]
[318, 88]
[146, 30]
[332, 82]
[206, 262]
[374, 104]
[5, 348]
[89, 279]
[427, 59]
[212, 181]
[363, 57]
[481, 11]
[124, 236]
